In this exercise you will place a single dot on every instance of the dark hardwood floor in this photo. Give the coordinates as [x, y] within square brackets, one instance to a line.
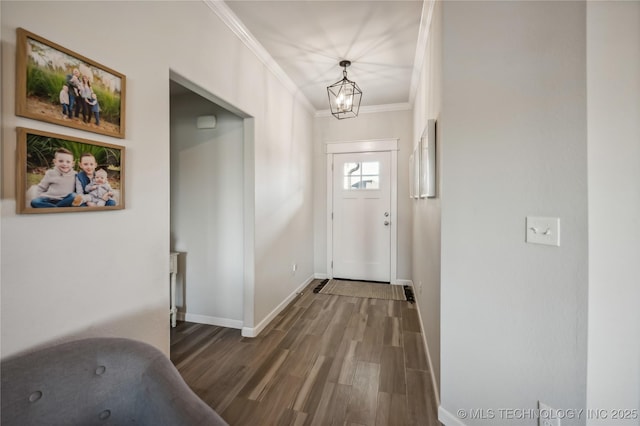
[325, 360]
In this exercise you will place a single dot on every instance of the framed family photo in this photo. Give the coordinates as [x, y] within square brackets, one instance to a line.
[56, 85]
[61, 174]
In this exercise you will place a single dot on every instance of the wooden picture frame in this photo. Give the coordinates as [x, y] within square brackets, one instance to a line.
[428, 161]
[44, 68]
[53, 173]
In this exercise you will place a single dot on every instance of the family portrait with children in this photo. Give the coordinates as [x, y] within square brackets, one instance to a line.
[63, 173]
[65, 88]
[77, 96]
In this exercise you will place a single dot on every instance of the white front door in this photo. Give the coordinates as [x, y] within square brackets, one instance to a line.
[362, 216]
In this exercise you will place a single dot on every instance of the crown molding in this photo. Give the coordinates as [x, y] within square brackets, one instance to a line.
[421, 47]
[230, 19]
[404, 106]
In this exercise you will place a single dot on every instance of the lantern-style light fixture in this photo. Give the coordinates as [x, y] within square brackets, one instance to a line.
[344, 96]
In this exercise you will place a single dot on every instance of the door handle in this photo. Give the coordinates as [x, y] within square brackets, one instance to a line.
[386, 223]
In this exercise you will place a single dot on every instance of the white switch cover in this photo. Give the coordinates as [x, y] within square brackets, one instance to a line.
[543, 230]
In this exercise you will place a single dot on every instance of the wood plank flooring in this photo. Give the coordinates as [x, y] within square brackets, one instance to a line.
[325, 360]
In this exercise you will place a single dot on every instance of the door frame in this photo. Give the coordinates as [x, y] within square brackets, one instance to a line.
[363, 146]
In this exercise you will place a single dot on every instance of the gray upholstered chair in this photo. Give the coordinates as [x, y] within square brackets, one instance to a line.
[98, 381]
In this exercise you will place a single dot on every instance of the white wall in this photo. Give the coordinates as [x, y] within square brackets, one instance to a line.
[50, 289]
[613, 108]
[380, 125]
[513, 130]
[427, 211]
[284, 203]
[207, 211]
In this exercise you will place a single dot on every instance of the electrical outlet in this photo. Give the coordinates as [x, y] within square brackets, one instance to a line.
[548, 416]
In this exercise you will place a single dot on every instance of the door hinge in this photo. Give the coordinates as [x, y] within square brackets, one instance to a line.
[331, 215]
[332, 264]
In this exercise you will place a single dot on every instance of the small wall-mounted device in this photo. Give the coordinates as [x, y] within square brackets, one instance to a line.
[206, 122]
[543, 230]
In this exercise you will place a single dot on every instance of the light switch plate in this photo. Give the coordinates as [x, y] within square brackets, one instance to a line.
[543, 230]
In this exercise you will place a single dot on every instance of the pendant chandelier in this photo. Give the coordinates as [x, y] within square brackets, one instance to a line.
[344, 96]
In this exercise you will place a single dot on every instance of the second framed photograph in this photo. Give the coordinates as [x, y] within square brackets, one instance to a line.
[61, 174]
[59, 86]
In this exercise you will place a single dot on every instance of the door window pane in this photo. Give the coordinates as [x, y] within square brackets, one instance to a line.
[351, 168]
[361, 176]
[370, 168]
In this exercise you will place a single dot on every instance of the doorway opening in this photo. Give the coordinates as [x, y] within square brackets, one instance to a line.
[211, 206]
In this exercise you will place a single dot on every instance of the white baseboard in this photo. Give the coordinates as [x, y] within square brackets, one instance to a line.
[254, 331]
[403, 282]
[206, 319]
[319, 276]
[448, 419]
[426, 348]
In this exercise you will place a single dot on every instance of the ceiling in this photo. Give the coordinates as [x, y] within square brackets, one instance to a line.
[307, 40]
